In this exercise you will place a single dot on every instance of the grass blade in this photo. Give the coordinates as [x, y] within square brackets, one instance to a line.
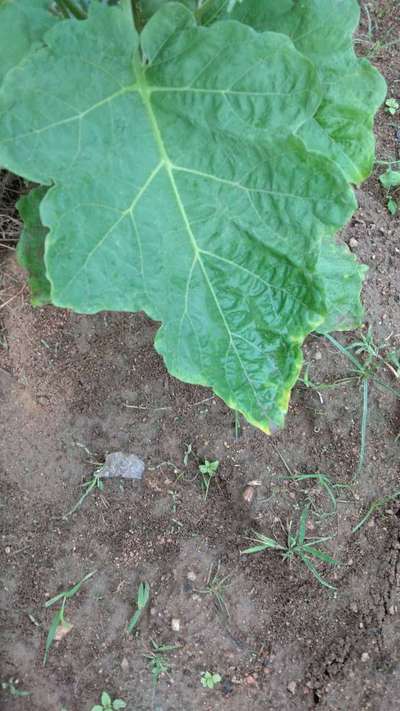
[57, 619]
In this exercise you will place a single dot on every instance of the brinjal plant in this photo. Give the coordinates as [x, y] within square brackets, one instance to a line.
[194, 161]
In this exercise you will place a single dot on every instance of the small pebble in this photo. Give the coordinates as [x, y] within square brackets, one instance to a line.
[8, 550]
[318, 355]
[353, 242]
[191, 575]
[291, 687]
[175, 624]
[250, 680]
[365, 657]
[124, 665]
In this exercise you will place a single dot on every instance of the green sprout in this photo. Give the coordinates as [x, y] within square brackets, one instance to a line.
[208, 471]
[142, 600]
[59, 622]
[106, 703]
[210, 680]
[392, 106]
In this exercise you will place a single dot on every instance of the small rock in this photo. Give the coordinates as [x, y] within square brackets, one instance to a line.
[191, 575]
[365, 657]
[318, 355]
[354, 607]
[353, 243]
[175, 624]
[125, 665]
[291, 687]
[391, 610]
[8, 550]
[250, 680]
[118, 464]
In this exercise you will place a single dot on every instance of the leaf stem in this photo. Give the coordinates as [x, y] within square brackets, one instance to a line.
[72, 7]
[137, 15]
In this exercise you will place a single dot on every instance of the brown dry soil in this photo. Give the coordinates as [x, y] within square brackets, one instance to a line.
[284, 642]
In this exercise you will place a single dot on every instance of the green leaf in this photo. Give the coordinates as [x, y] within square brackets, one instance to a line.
[390, 179]
[30, 248]
[97, 707]
[343, 278]
[119, 704]
[57, 618]
[353, 89]
[22, 26]
[392, 206]
[105, 699]
[180, 191]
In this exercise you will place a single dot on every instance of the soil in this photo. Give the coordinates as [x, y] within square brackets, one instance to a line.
[74, 388]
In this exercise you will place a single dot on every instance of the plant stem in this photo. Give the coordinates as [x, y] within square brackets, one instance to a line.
[72, 7]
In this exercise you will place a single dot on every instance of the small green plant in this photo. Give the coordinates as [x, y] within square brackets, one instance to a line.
[392, 106]
[210, 680]
[157, 660]
[95, 482]
[297, 546]
[142, 600]
[208, 471]
[106, 703]
[390, 180]
[11, 688]
[365, 369]
[215, 587]
[375, 506]
[59, 625]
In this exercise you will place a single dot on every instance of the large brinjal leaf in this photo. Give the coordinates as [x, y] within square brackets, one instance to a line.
[22, 26]
[353, 89]
[180, 190]
[31, 244]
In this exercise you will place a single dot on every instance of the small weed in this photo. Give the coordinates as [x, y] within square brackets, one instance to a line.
[10, 687]
[215, 586]
[157, 660]
[94, 483]
[390, 180]
[107, 704]
[375, 506]
[365, 370]
[328, 487]
[297, 546]
[142, 600]
[210, 680]
[208, 471]
[392, 106]
[59, 625]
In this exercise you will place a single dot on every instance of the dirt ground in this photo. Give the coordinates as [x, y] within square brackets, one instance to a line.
[279, 640]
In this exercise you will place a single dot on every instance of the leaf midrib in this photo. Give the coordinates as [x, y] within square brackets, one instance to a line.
[145, 94]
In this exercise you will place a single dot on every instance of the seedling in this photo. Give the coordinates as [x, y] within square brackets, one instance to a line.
[59, 625]
[208, 471]
[375, 506]
[157, 661]
[365, 370]
[106, 703]
[95, 482]
[11, 688]
[143, 597]
[392, 106]
[297, 546]
[230, 319]
[215, 586]
[210, 680]
[390, 180]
